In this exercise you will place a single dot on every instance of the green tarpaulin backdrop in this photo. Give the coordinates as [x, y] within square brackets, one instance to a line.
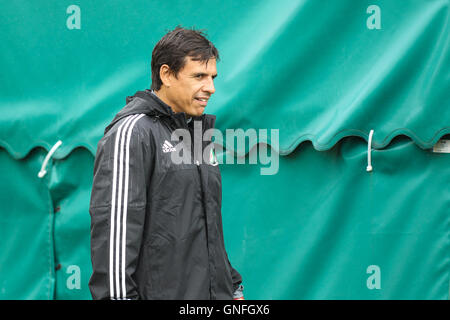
[323, 74]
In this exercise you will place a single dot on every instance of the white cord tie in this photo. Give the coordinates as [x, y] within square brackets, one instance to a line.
[42, 173]
[369, 149]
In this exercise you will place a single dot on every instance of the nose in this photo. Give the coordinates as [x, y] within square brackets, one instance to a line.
[209, 86]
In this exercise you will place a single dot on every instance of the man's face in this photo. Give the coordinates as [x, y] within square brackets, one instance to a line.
[191, 89]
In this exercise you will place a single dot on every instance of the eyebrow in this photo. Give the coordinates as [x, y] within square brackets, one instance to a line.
[203, 74]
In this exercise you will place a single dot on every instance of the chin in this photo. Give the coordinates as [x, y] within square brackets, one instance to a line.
[198, 113]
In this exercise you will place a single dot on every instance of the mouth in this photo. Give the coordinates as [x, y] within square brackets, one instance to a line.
[202, 100]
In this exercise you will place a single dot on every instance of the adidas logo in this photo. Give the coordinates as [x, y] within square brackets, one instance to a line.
[167, 147]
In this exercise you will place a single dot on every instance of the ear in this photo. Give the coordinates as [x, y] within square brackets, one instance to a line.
[166, 75]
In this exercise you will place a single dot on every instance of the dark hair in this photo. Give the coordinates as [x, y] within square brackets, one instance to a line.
[175, 46]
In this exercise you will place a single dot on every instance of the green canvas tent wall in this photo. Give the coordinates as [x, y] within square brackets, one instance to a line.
[322, 227]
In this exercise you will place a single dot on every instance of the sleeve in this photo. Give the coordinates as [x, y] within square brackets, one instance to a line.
[122, 169]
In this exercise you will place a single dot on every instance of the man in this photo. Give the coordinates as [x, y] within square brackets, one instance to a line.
[156, 225]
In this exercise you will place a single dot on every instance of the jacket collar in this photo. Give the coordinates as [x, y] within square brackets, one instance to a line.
[208, 120]
[148, 103]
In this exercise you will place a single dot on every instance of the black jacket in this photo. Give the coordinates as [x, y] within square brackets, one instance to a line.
[156, 226]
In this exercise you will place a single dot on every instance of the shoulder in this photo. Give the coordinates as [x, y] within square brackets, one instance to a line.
[135, 130]
[134, 125]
